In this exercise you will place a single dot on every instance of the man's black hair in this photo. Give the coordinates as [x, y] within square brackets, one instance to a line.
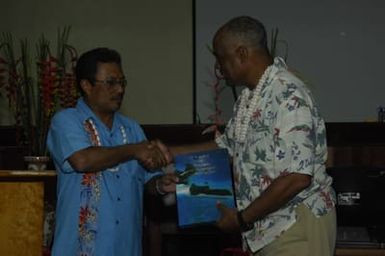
[87, 64]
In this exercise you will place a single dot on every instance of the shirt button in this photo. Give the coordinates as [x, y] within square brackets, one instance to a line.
[117, 176]
[118, 198]
[117, 222]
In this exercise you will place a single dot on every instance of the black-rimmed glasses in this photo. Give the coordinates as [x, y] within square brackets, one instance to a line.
[112, 83]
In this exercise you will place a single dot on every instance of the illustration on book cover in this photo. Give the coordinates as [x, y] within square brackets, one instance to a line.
[204, 179]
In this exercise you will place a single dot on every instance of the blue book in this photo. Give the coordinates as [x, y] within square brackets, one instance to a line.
[205, 178]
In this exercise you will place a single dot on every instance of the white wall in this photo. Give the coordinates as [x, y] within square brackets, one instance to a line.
[153, 37]
[338, 47]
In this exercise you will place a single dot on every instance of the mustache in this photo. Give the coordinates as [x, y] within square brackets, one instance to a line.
[117, 97]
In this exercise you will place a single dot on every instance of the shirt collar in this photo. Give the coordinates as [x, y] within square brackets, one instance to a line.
[278, 64]
[87, 113]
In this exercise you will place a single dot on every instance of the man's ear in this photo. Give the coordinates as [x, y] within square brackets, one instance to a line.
[86, 86]
[243, 53]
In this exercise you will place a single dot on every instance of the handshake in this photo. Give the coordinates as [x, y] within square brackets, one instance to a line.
[153, 154]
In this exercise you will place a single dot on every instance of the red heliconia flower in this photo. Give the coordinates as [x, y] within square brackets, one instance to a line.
[67, 91]
[34, 104]
[216, 116]
[48, 85]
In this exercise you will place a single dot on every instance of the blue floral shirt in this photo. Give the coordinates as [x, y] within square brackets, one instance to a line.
[98, 214]
[286, 134]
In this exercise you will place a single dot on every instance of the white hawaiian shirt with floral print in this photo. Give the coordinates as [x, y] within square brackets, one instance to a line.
[286, 134]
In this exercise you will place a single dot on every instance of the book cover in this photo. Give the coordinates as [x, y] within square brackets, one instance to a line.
[204, 179]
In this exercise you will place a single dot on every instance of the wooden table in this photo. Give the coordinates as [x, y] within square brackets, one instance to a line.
[359, 252]
[22, 211]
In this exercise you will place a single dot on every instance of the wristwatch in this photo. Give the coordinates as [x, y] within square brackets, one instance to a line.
[242, 224]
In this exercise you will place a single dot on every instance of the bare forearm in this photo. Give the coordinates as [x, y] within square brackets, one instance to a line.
[94, 159]
[280, 191]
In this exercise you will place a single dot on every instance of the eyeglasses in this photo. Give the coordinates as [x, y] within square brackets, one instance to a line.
[113, 83]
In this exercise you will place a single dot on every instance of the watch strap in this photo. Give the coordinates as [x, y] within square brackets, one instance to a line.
[242, 224]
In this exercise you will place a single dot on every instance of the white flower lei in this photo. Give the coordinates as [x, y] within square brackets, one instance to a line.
[248, 105]
[95, 132]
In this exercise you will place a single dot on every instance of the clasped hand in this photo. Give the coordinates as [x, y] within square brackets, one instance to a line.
[153, 154]
[228, 219]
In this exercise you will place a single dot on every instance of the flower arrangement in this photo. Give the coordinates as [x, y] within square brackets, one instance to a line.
[274, 45]
[218, 85]
[36, 92]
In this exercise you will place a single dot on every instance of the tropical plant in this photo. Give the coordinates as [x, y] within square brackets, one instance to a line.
[274, 45]
[36, 92]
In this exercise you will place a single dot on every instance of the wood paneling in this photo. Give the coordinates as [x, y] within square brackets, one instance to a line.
[355, 134]
[21, 218]
[359, 252]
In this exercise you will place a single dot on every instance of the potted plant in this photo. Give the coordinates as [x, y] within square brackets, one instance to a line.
[36, 87]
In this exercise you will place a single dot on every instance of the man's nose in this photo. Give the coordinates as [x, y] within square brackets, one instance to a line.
[120, 87]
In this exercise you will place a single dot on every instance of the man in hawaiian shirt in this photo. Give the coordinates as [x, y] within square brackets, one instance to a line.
[277, 140]
[102, 160]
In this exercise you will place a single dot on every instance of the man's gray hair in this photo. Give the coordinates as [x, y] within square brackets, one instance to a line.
[248, 30]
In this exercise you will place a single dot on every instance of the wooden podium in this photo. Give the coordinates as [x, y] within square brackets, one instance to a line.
[22, 212]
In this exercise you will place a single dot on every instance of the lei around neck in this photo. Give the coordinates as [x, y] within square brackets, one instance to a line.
[248, 102]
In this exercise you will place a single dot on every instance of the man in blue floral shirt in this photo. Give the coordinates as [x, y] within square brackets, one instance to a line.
[277, 141]
[103, 162]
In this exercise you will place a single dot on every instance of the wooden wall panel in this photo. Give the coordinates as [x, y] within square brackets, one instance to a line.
[21, 218]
